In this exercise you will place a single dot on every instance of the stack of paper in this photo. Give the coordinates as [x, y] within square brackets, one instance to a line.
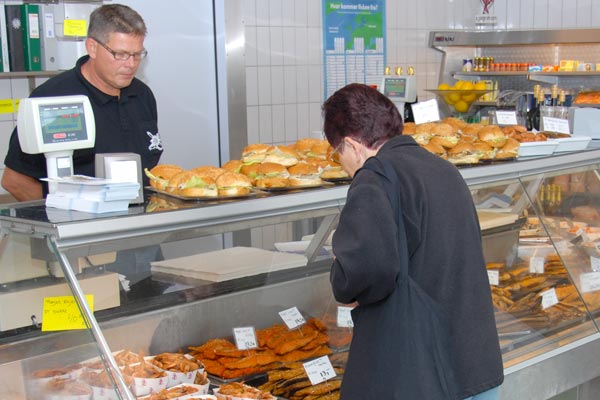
[89, 194]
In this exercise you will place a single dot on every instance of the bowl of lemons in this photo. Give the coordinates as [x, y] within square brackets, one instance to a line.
[460, 96]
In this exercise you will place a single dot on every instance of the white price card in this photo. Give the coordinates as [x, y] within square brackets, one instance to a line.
[536, 265]
[245, 338]
[556, 125]
[344, 317]
[549, 298]
[292, 317]
[494, 277]
[595, 262]
[426, 111]
[589, 281]
[319, 370]
[506, 118]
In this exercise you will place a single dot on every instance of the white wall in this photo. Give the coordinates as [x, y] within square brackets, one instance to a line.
[180, 69]
[284, 69]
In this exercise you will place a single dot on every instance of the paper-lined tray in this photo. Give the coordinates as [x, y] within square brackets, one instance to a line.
[293, 188]
[227, 264]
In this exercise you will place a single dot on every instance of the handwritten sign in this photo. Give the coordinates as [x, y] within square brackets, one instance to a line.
[426, 111]
[292, 317]
[494, 277]
[344, 317]
[61, 313]
[7, 106]
[319, 370]
[75, 27]
[245, 338]
[506, 117]
[536, 265]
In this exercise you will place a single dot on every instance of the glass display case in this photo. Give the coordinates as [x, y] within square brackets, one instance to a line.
[241, 286]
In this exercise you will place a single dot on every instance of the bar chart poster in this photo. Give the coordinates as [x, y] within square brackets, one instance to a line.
[353, 43]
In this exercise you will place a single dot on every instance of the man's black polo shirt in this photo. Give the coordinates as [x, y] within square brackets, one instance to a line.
[123, 124]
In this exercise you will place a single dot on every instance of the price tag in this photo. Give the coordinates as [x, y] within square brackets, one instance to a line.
[556, 125]
[245, 338]
[595, 262]
[589, 281]
[494, 277]
[344, 317]
[62, 313]
[319, 370]
[292, 317]
[7, 106]
[549, 298]
[426, 111]
[536, 265]
[75, 27]
[506, 117]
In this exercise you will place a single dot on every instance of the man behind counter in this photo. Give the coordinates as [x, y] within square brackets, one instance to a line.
[124, 107]
[125, 114]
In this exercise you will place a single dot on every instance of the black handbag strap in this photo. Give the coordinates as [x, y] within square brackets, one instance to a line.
[391, 185]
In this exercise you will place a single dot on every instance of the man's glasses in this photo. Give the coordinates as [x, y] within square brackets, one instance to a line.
[123, 55]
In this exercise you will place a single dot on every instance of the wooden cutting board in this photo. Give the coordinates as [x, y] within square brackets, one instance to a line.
[232, 263]
[490, 219]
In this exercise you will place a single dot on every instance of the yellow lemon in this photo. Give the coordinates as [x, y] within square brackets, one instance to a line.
[454, 97]
[461, 106]
[467, 85]
[458, 85]
[443, 86]
[468, 97]
[480, 85]
[448, 99]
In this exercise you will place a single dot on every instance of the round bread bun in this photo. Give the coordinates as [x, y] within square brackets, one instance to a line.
[410, 128]
[454, 122]
[283, 155]
[304, 174]
[255, 152]
[333, 170]
[446, 142]
[319, 150]
[276, 182]
[304, 145]
[509, 150]
[159, 175]
[317, 161]
[463, 153]
[233, 166]
[435, 149]
[484, 150]
[492, 135]
[467, 138]
[233, 184]
[520, 128]
[471, 129]
[443, 129]
[250, 170]
[271, 170]
[425, 128]
[208, 171]
[190, 184]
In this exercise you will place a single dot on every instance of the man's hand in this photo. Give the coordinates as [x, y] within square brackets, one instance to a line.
[22, 187]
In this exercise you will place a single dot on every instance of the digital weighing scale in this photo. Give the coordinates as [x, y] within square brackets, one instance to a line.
[400, 89]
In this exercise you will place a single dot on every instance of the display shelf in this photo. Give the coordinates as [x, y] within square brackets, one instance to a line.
[175, 312]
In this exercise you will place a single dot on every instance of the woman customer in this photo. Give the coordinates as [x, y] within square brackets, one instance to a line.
[408, 251]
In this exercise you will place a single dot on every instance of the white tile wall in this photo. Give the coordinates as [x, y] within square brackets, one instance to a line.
[284, 70]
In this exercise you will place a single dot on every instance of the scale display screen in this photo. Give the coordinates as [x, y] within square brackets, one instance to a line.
[62, 123]
[399, 88]
[53, 124]
[395, 87]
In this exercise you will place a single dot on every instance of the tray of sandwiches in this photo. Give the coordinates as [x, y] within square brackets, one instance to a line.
[309, 163]
[468, 144]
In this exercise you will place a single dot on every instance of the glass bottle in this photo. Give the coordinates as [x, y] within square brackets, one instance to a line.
[536, 117]
[532, 110]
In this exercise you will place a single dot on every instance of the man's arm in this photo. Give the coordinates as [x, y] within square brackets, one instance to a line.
[22, 187]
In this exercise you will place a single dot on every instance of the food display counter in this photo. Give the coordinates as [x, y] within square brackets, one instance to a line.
[180, 276]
